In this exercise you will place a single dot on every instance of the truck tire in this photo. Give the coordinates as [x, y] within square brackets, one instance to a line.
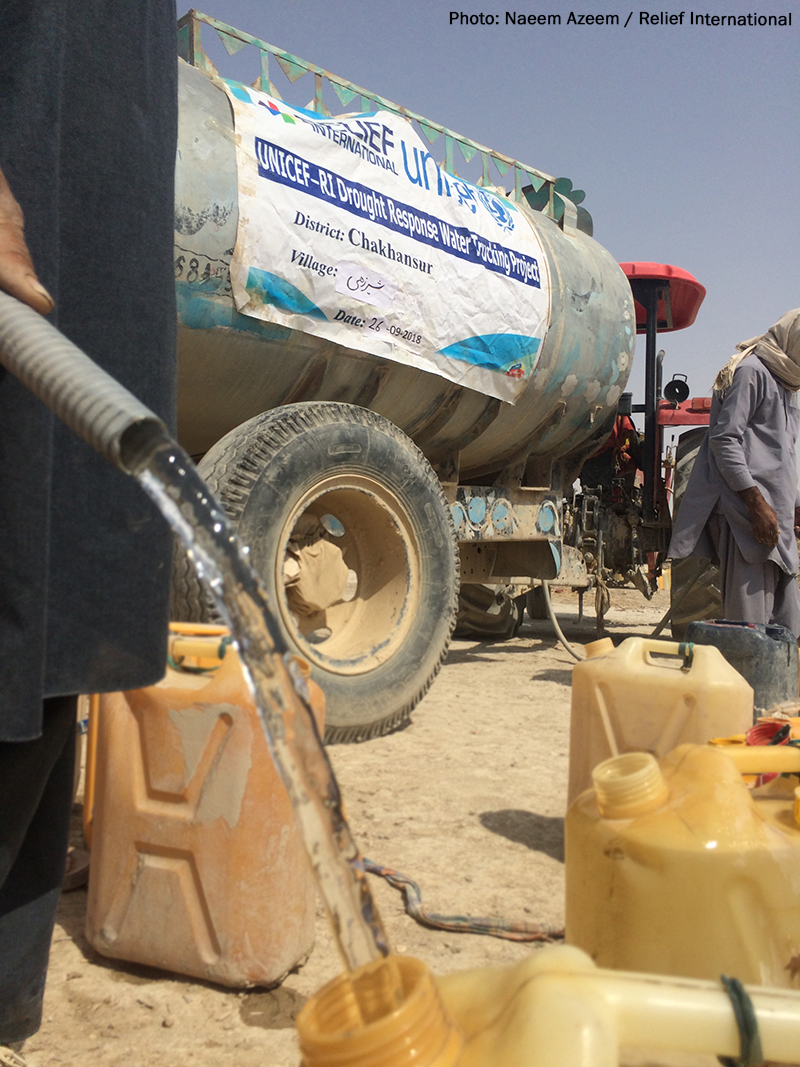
[488, 613]
[536, 604]
[349, 489]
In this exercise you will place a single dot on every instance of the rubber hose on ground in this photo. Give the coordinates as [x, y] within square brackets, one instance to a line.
[554, 621]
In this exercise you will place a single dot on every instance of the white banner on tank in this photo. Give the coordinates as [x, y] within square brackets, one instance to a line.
[350, 231]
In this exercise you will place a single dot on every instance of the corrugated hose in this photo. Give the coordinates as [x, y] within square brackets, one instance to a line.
[92, 403]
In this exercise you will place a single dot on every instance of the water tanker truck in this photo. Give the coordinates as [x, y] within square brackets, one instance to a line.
[391, 376]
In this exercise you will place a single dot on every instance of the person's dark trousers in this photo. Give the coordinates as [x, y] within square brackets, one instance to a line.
[36, 782]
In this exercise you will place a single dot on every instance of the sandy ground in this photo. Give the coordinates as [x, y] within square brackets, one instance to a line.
[468, 800]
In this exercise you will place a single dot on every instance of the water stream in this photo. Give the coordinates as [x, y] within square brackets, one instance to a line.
[281, 696]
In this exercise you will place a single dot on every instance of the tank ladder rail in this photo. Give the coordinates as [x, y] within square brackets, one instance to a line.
[555, 197]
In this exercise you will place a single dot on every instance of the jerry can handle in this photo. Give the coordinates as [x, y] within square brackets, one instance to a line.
[764, 759]
[684, 649]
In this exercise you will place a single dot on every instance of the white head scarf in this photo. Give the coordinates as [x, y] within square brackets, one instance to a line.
[778, 349]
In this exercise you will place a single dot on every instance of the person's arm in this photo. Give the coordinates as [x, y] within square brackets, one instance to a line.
[739, 407]
[17, 274]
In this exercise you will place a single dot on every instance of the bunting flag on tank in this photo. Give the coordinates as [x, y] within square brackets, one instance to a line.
[349, 230]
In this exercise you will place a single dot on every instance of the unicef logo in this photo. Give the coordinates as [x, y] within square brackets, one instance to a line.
[498, 210]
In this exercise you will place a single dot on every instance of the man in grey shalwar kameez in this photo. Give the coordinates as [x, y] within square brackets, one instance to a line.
[740, 505]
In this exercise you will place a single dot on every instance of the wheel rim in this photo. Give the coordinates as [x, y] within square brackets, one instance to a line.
[365, 626]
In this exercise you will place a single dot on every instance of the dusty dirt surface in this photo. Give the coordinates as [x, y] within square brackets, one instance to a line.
[468, 800]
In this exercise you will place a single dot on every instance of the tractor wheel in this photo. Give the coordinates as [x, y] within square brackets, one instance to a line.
[694, 582]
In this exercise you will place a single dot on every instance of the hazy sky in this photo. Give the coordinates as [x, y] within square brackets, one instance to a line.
[685, 138]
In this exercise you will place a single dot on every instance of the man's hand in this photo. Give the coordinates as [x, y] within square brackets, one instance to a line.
[797, 522]
[17, 275]
[763, 518]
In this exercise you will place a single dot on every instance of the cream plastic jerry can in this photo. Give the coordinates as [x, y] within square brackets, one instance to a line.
[650, 696]
[196, 864]
[678, 868]
[553, 1009]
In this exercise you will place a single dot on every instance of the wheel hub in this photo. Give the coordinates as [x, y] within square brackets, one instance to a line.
[350, 574]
